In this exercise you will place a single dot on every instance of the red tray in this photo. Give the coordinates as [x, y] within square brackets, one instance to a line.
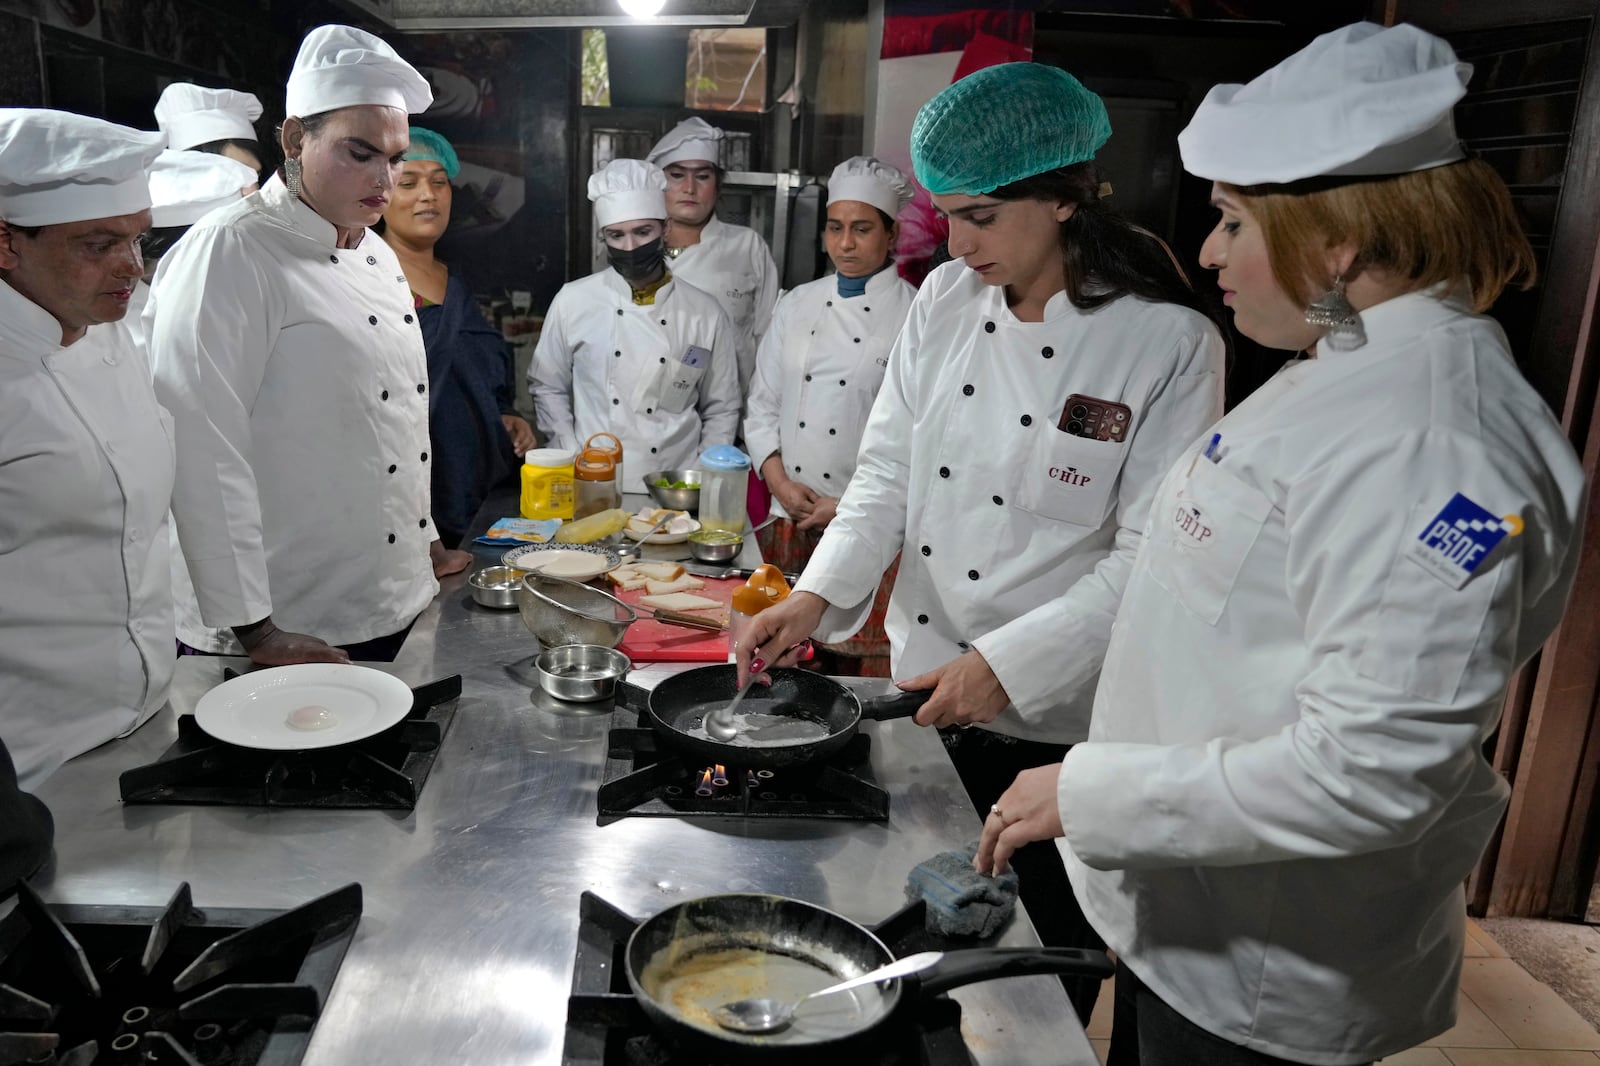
[649, 641]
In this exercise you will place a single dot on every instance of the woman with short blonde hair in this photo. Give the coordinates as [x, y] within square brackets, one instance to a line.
[1284, 784]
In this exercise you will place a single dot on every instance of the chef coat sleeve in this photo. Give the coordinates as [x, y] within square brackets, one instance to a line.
[550, 379]
[720, 393]
[1404, 680]
[869, 525]
[764, 408]
[1071, 632]
[211, 323]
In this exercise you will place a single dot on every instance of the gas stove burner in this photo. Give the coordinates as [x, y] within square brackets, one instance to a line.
[639, 779]
[173, 986]
[382, 771]
[607, 1027]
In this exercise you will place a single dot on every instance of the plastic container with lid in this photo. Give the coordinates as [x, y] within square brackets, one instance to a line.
[724, 481]
[596, 482]
[548, 489]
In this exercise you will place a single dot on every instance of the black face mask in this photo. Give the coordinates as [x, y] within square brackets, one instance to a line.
[637, 264]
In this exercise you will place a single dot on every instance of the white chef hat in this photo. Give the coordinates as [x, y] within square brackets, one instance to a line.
[185, 186]
[341, 66]
[59, 167]
[693, 138]
[1360, 101]
[626, 189]
[865, 179]
[190, 115]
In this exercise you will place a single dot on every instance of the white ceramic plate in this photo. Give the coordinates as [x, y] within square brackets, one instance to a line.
[662, 538]
[254, 710]
[575, 562]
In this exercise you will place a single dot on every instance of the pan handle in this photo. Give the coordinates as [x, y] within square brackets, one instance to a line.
[894, 705]
[966, 967]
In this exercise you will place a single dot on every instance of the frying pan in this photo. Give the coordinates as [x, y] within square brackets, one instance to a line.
[677, 706]
[696, 955]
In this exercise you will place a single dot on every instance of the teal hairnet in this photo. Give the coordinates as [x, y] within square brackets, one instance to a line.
[1002, 124]
[426, 144]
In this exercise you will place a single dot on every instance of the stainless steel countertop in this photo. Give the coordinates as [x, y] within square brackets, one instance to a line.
[465, 948]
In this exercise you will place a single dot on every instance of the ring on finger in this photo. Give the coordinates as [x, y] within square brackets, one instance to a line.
[994, 809]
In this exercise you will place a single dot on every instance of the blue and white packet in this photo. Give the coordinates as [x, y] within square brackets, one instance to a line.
[509, 532]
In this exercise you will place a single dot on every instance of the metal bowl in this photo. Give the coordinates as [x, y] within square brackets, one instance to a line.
[561, 612]
[581, 673]
[496, 586]
[675, 499]
[709, 551]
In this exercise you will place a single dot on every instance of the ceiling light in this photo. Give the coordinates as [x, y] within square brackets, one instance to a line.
[642, 9]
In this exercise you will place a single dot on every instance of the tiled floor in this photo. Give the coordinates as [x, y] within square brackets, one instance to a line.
[1506, 1018]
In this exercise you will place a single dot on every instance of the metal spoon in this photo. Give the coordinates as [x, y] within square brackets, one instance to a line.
[719, 721]
[767, 1015]
[637, 546]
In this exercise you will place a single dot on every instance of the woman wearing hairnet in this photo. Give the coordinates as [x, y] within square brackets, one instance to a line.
[478, 437]
[1284, 785]
[1041, 385]
[286, 346]
[817, 373]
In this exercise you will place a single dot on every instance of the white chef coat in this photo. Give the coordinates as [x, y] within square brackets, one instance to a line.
[1018, 537]
[86, 461]
[605, 364]
[1284, 785]
[818, 370]
[296, 375]
[732, 263]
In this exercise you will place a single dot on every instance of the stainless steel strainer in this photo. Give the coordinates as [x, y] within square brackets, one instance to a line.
[560, 612]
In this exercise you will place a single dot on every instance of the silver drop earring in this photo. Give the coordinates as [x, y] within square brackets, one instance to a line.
[291, 177]
[1332, 312]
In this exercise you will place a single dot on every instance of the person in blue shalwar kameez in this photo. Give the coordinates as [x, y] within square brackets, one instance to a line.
[478, 438]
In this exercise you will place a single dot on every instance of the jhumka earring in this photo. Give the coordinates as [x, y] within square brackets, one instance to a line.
[1332, 312]
[291, 176]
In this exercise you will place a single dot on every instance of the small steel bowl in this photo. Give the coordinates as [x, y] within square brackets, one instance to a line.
[581, 673]
[496, 586]
[706, 545]
[675, 499]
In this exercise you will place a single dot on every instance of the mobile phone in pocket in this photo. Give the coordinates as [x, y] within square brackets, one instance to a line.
[1095, 419]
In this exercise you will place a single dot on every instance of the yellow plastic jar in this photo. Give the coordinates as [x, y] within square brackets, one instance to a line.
[548, 489]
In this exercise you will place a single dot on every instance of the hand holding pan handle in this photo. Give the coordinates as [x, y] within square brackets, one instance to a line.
[894, 705]
[959, 968]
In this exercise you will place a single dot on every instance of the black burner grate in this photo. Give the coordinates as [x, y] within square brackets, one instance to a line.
[383, 771]
[641, 780]
[173, 986]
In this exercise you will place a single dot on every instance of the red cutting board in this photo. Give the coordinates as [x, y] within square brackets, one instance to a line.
[649, 641]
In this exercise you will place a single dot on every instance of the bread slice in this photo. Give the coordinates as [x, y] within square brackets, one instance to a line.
[626, 579]
[658, 571]
[679, 601]
[686, 583]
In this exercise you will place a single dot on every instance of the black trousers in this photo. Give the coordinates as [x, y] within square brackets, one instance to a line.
[1147, 1032]
[988, 763]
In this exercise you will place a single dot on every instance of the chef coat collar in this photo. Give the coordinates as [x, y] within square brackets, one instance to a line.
[27, 331]
[619, 287]
[713, 228]
[875, 283]
[1395, 321]
[294, 213]
[995, 307]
